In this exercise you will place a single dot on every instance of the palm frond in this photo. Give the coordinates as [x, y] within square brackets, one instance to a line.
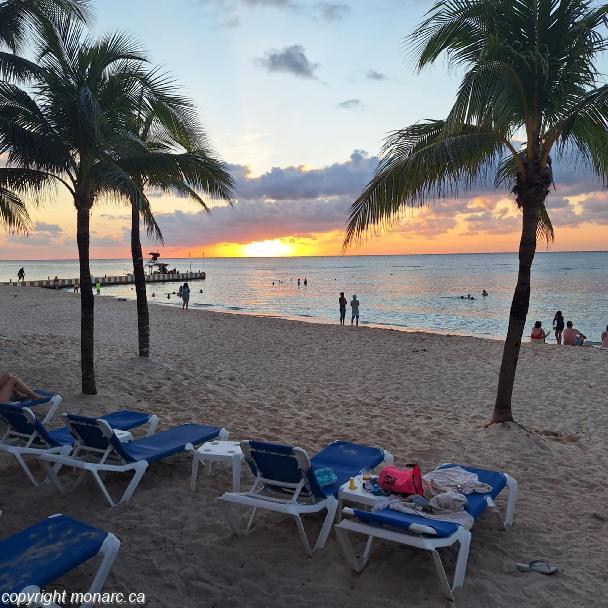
[13, 212]
[421, 163]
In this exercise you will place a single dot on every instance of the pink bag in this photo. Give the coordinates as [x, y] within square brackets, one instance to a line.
[400, 481]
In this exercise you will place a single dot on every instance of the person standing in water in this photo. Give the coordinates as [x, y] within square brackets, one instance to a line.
[342, 302]
[354, 304]
[558, 325]
[305, 282]
[185, 296]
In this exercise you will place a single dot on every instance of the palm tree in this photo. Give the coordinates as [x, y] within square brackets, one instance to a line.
[169, 153]
[530, 76]
[65, 128]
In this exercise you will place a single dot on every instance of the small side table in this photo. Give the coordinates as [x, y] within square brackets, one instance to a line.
[360, 496]
[219, 451]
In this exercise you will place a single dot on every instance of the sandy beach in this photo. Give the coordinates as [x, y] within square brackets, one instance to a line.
[423, 397]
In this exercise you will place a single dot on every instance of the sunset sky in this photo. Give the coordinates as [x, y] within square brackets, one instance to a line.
[297, 96]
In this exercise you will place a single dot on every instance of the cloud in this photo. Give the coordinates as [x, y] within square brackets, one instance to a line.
[375, 75]
[48, 228]
[297, 183]
[272, 3]
[290, 60]
[332, 11]
[285, 201]
[351, 104]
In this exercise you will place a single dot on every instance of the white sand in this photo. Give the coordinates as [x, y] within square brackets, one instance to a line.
[423, 397]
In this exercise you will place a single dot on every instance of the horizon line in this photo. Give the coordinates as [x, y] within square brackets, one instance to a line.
[360, 255]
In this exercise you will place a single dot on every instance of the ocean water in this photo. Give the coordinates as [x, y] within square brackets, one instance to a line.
[404, 292]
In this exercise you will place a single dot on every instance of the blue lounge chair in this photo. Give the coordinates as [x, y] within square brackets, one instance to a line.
[424, 533]
[44, 552]
[27, 435]
[282, 469]
[100, 450]
[48, 398]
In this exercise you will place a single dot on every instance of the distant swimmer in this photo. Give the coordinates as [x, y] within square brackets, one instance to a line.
[354, 304]
[342, 302]
[153, 295]
[484, 293]
[168, 296]
[201, 291]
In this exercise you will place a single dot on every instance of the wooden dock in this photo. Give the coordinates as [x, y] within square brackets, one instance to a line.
[105, 281]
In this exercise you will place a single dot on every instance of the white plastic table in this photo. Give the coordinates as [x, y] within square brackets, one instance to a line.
[219, 451]
[360, 496]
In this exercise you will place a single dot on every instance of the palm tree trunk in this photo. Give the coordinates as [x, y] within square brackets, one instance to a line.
[87, 302]
[143, 316]
[517, 316]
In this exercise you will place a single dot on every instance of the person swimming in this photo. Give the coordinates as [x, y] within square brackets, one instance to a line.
[484, 293]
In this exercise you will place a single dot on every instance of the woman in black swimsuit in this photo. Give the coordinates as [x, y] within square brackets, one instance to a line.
[558, 325]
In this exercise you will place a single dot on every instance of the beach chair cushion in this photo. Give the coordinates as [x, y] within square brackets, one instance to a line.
[165, 443]
[476, 505]
[347, 460]
[45, 551]
[46, 396]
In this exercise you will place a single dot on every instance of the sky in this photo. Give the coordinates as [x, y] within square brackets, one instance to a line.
[297, 97]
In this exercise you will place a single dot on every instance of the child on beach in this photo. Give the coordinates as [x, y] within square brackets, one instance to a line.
[354, 304]
[558, 326]
[98, 287]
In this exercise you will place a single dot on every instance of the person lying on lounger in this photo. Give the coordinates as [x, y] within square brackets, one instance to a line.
[13, 389]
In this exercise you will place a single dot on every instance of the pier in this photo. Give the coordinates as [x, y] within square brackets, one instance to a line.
[125, 279]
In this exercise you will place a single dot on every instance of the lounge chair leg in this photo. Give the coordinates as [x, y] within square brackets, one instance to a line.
[231, 517]
[464, 542]
[511, 500]
[443, 579]
[109, 550]
[195, 463]
[27, 470]
[139, 473]
[332, 507]
[302, 534]
[52, 472]
[368, 549]
[346, 544]
[251, 518]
